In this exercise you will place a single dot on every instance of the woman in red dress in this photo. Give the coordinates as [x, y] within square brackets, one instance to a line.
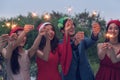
[109, 53]
[51, 53]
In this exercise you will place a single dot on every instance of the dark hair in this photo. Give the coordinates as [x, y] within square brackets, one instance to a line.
[15, 66]
[107, 39]
[53, 43]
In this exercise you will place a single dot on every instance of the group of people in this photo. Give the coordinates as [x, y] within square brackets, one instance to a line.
[70, 52]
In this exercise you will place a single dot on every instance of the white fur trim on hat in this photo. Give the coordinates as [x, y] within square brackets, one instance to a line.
[43, 25]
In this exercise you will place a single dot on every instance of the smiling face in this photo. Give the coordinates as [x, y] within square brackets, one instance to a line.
[51, 32]
[113, 29]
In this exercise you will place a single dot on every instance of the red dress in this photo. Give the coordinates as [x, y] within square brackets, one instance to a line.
[48, 70]
[108, 70]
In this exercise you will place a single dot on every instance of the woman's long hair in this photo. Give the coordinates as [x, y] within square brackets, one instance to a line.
[14, 63]
[53, 43]
[15, 67]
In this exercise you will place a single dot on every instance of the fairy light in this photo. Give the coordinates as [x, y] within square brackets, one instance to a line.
[10, 25]
[14, 25]
[94, 13]
[46, 16]
[34, 14]
[18, 19]
[7, 24]
[3, 25]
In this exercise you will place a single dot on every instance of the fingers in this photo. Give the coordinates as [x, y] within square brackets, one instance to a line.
[13, 37]
[28, 27]
[106, 46]
[43, 32]
[79, 36]
[68, 25]
[46, 33]
[4, 36]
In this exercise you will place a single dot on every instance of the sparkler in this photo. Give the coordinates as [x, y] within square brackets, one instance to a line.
[108, 35]
[69, 9]
[94, 13]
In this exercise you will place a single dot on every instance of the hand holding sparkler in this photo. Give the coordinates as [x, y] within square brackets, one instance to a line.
[45, 33]
[103, 47]
[106, 46]
[13, 37]
[4, 37]
[68, 26]
[79, 36]
[28, 28]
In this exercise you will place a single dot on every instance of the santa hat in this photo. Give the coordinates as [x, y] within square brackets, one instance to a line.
[42, 25]
[61, 22]
[15, 29]
[117, 22]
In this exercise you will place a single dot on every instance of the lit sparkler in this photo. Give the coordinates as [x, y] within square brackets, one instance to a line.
[109, 35]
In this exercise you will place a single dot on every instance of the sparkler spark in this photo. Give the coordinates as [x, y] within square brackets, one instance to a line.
[109, 35]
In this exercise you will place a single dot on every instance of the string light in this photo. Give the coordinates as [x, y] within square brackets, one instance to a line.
[34, 14]
[46, 16]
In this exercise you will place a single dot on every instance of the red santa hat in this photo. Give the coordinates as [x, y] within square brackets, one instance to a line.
[15, 29]
[117, 22]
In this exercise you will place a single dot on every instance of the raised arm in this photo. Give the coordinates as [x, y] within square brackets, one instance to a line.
[94, 37]
[65, 51]
[15, 40]
[35, 45]
[44, 54]
[27, 28]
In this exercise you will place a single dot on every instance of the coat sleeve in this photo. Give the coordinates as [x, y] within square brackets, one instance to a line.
[65, 52]
[90, 41]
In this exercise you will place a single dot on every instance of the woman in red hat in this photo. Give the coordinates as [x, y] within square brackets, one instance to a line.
[17, 58]
[51, 53]
[109, 53]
